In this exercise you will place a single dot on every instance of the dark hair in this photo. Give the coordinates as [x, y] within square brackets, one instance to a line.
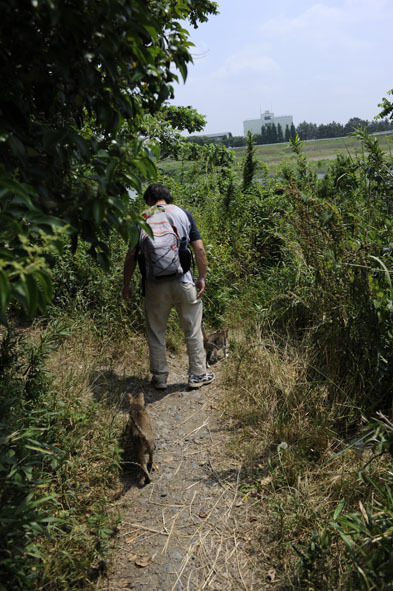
[156, 192]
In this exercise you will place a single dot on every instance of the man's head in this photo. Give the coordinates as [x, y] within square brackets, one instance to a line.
[155, 193]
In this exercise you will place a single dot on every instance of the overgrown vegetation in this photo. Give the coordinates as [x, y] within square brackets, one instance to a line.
[80, 82]
[299, 268]
[304, 266]
[323, 362]
[59, 460]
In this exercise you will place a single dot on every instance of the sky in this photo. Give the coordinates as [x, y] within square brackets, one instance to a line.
[317, 61]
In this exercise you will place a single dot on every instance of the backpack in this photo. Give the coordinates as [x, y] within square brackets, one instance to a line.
[164, 255]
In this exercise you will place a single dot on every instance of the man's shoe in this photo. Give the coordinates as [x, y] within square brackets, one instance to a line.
[195, 381]
[159, 382]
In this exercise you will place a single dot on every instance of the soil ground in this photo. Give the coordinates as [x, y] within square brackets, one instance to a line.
[190, 529]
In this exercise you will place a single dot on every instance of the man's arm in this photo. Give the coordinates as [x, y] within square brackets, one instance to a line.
[128, 271]
[201, 261]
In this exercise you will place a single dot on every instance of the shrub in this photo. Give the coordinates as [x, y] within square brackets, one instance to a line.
[51, 531]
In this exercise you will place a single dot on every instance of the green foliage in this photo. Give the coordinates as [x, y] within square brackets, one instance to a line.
[79, 80]
[280, 135]
[47, 538]
[249, 163]
[338, 248]
[367, 535]
[164, 126]
[296, 144]
[26, 501]
[302, 174]
[387, 107]
[182, 118]
[311, 260]
[82, 288]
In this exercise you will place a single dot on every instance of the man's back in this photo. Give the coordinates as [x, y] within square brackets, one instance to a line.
[185, 226]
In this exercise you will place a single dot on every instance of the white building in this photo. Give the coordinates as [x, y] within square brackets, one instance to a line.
[266, 118]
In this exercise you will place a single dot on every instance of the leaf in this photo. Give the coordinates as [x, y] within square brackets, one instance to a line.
[134, 180]
[338, 510]
[183, 71]
[44, 281]
[98, 211]
[23, 290]
[40, 449]
[348, 541]
[140, 164]
[4, 291]
[143, 561]
[20, 189]
[364, 512]
[124, 231]
[46, 220]
[151, 29]
[102, 153]
[82, 145]
[17, 146]
[32, 291]
[41, 501]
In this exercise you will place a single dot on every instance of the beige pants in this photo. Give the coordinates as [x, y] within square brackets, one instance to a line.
[160, 297]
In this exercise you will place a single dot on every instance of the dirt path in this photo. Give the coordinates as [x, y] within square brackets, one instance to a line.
[189, 529]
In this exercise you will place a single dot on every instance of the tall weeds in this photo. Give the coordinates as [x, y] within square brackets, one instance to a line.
[59, 457]
[322, 362]
[300, 269]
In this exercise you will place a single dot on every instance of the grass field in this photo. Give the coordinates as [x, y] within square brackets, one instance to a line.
[273, 154]
[317, 152]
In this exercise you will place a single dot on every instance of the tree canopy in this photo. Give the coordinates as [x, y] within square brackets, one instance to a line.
[78, 78]
[387, 107]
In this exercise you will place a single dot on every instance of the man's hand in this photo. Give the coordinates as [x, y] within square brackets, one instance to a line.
[201, 261]
[200, 285]
[127, 292]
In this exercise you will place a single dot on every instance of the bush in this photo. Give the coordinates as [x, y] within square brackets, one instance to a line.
[83, 287]
[53, 452]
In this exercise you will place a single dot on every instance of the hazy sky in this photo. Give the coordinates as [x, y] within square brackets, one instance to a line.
[317, 61]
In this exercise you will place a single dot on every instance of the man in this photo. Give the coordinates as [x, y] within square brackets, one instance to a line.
[179, 291]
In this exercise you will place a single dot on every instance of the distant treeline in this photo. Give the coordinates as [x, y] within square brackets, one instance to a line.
[272, 134]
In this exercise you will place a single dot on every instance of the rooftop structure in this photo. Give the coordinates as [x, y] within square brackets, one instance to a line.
[266, 118]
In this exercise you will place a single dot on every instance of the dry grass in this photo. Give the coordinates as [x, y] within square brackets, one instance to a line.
[99, 365]
[92, 375]
[286, 436]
